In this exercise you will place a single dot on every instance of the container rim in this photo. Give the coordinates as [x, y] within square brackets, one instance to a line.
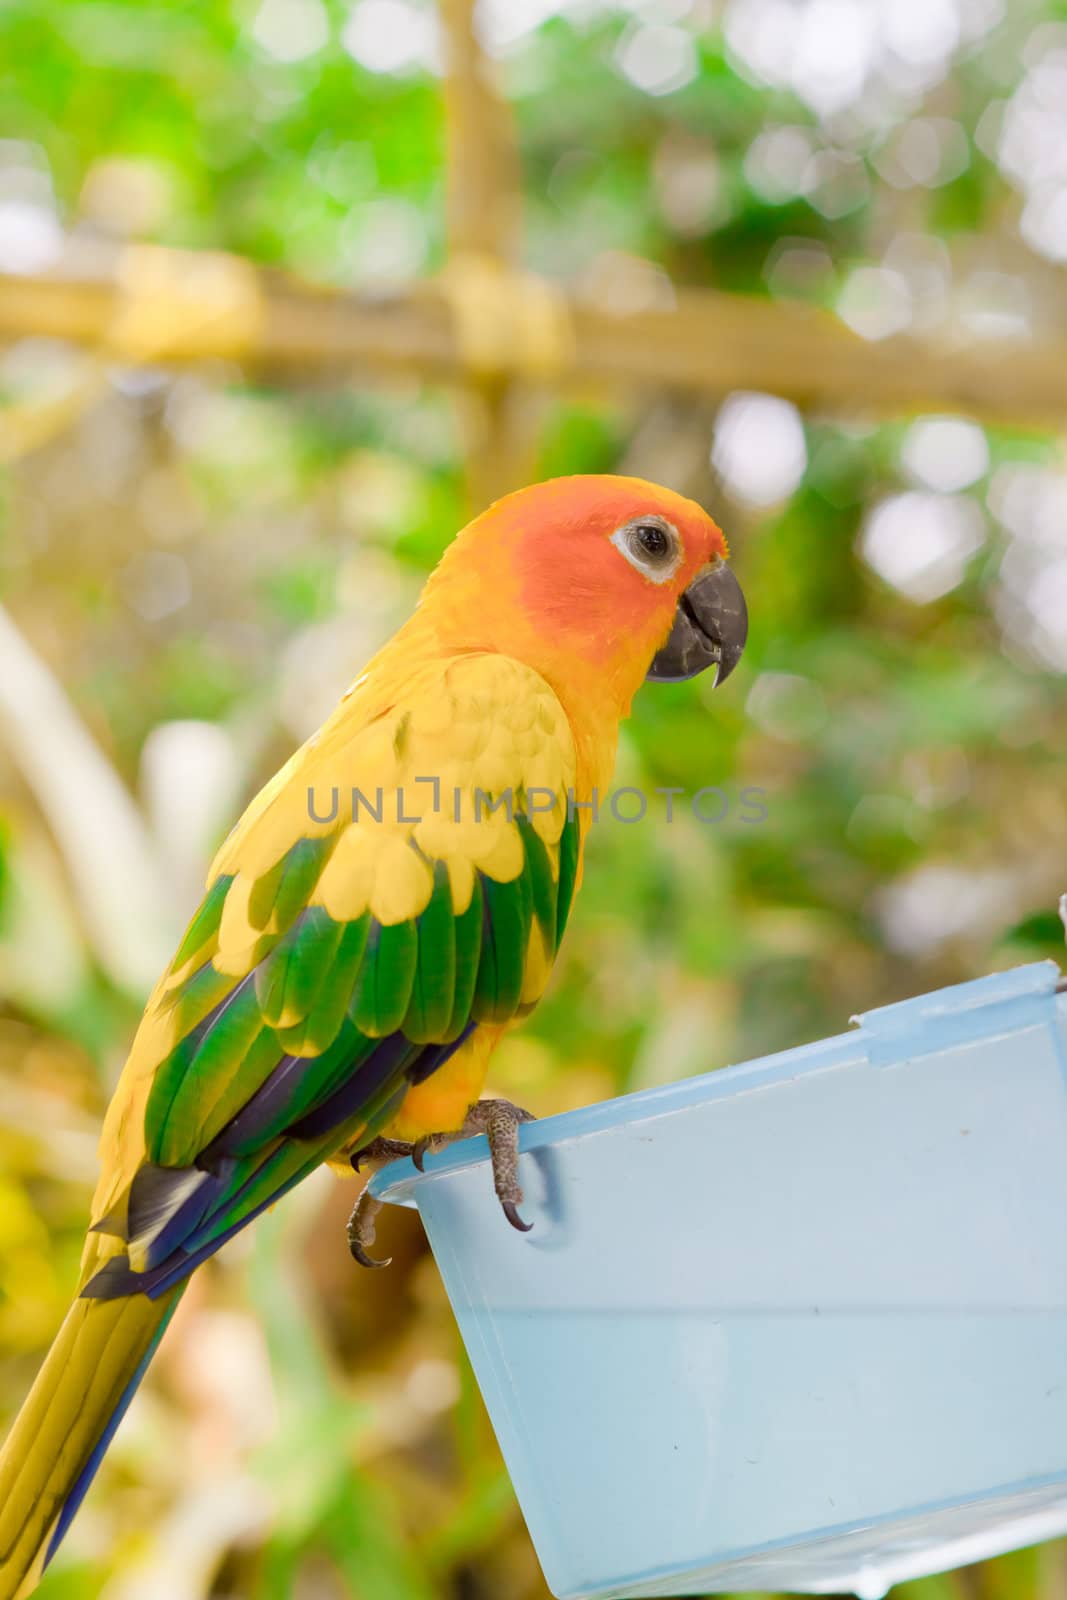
[931, 1012]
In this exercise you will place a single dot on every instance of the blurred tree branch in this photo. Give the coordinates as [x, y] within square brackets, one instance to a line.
[710, 342]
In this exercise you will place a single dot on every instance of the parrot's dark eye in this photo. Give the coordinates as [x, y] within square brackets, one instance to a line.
[652, 539]
[651, 545]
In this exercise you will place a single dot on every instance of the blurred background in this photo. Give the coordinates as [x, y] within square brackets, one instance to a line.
[288, 288]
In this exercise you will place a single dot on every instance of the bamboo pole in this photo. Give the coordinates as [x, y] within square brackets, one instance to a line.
[707, 344]
[483, 172]
[483, 214]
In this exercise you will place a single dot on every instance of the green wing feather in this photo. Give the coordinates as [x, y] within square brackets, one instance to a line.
[468, 928]
[433, 984]
[505, 939]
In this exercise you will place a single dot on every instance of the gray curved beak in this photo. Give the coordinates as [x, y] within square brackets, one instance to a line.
[710, 629]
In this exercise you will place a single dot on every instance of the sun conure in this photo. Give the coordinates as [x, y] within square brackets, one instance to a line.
[385, 908]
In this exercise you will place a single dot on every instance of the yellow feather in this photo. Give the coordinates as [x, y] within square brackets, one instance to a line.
[94, 1355]
[539, 961]
[403, 883]
[460, 882]
[346, 885]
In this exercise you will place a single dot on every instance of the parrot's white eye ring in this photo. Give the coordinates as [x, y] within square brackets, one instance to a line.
[651, 544]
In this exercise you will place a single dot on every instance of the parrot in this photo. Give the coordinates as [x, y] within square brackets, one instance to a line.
[389, 904]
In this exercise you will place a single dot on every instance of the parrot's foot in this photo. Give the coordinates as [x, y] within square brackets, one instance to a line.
[500, 1121]
[360, 1229]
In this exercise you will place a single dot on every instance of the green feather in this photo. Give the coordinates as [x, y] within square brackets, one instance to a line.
[166, 1086]
[205, 923]
[292, 1161]
[286, 888]
[197, 997]
[233, 1092]
[337, 980]
[193, 1004]
[265, 1175]
[505, 941]
[569, 847]
[433, 987]
[468, 934]
[542, 884]
[316, 1080]
[383, 992]
[289, 979]
[324, 1073]
[174, 1112]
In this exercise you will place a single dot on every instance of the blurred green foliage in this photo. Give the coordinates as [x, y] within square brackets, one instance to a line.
[202, 563]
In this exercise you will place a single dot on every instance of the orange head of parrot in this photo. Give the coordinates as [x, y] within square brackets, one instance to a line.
[597, 581]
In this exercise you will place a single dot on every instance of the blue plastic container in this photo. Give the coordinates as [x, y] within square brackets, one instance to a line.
[799, 1324]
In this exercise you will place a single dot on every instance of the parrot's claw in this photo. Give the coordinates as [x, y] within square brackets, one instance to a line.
[511, 1211]
[500, 1121]
[361, 1230]
[423, 1147]
[382, 1150]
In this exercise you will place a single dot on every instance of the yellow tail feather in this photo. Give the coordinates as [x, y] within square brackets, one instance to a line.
[88, 1376]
